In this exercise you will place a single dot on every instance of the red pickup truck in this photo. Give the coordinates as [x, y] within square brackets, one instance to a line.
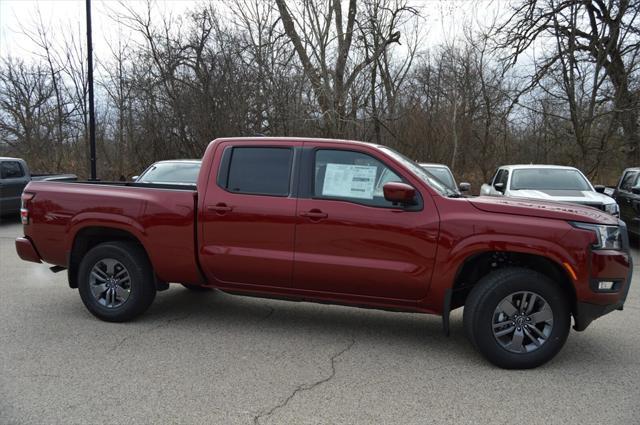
[339, 222]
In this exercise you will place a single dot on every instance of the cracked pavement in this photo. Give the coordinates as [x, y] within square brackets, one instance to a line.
[207, 358]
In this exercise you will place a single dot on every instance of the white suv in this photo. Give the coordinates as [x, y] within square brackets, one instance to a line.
[549, 183]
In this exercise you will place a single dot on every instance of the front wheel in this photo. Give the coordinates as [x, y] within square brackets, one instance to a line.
[115, 281]
[517, 318]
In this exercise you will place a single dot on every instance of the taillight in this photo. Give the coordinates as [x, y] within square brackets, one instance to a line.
[24, 206]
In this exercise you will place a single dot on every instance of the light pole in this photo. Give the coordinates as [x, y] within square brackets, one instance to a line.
[92, 119]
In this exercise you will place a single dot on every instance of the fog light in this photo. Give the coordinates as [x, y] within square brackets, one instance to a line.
[605, 285]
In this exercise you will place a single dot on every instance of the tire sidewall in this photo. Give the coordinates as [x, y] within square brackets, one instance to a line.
[532, 282]
[141, 286]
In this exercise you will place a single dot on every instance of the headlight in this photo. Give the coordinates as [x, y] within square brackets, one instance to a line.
[609, 237]
[612, 209]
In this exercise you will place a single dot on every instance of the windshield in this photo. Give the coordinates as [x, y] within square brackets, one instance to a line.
[171, 172]
[420, 172]
[442, 174]
[548, 179]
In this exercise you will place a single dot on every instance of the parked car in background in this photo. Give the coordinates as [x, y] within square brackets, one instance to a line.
[343, 222]
[444, 174]
[627, 195]
[549, 183]
[175, 171]
[14, 176]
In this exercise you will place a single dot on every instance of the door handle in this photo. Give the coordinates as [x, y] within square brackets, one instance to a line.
[220, 208]
[314, 214]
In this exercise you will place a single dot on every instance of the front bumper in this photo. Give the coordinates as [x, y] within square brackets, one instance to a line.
[27, 251]
[587, 312]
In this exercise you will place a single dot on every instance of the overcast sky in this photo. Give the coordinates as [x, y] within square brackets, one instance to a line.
[444, 20]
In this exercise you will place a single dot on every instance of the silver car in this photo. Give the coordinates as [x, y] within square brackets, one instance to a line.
[549, 183]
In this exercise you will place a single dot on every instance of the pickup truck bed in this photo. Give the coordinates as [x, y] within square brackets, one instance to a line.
[161, 217]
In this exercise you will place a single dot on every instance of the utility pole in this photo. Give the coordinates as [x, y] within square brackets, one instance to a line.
[92, 118]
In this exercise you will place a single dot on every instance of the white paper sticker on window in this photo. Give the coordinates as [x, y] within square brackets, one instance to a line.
[349, 181]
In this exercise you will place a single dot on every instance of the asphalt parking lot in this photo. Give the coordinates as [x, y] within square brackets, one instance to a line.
[217, 358]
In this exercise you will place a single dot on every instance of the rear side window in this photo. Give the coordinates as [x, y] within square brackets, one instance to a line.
[629, 180]
[260, 171]
[11, 170]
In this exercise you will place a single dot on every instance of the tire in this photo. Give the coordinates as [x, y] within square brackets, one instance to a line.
[491, 305]
[197, 288]
[127, 294]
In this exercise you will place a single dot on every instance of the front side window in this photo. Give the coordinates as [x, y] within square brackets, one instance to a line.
[502, 177]
[352, 176]
[260, 171]
[548, 179]
[629, 180]
[11, 170]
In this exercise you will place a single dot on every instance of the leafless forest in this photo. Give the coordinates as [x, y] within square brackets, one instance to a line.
[342, 69]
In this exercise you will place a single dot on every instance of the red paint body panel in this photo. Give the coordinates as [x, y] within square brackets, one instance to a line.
[26, 251]
[349, 254]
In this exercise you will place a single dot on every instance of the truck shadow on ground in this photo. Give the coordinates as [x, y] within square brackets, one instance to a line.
[406, 332]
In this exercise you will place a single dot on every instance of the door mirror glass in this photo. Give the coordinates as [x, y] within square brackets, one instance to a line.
[399, 193]
[599, 188]
[464, 187]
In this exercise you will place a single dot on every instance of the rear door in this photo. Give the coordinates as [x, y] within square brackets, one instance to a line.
[350, 240]
[13, 179]
[248, 219]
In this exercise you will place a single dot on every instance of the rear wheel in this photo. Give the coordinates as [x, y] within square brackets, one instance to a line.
[115, 281]
[517, 318]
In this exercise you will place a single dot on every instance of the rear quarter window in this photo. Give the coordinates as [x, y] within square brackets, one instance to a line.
[259, 171]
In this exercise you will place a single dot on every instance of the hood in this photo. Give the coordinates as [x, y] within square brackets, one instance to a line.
[579, 196]
[542, 209]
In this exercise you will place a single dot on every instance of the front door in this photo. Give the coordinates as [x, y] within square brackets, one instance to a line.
[248, 217]
[349, 239]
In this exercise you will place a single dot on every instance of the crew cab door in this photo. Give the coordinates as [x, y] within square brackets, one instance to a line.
[13, 179]
[349, 239]
[248, 215]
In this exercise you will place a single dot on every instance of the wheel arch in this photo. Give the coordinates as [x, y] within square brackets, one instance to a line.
[478, 265]
[90, 236]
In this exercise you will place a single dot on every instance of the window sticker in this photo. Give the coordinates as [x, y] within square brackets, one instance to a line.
[349, 181]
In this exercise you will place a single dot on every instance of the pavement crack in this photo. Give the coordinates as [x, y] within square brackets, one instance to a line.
[305, 387]
[139, 334]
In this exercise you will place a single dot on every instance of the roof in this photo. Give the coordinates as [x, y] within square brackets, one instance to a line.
[186, 161]
[292, 139]
[534, 166]
[432, 164]
[8, 158]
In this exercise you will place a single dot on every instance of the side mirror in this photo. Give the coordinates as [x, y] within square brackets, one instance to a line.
[464, 187]
[599, 188]
[636, 190]
[134, 178]
[400, 193]
[499, 187]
